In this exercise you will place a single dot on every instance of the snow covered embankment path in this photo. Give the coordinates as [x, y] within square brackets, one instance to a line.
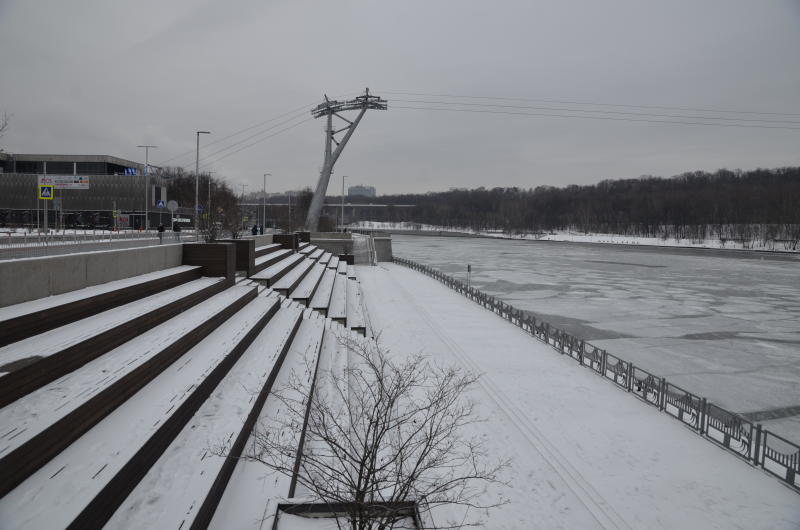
[585, 455]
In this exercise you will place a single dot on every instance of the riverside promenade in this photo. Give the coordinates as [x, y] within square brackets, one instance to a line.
[584, 453]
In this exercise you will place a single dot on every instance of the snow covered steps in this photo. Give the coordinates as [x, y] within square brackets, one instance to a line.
[355, 319]
[93, 476]
[38, 360]
[41, 424]
[275, 272]
[305, 289]
[322, 296]
[252, 493]
[306, 249]
[270, 259]
[266, 249]
[27, 319]
[289, 281]
[222, 425]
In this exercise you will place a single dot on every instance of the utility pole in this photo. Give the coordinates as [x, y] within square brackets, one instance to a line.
[146, 179]
[197, 186]
[264, 202]
[342, 223]
[331, 108]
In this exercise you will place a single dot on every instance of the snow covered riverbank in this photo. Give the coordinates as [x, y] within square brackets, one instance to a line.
[585, 453]
[580, 237]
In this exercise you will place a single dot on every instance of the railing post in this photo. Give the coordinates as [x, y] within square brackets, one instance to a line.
[629, 382]
[703, 413]
[603, 363]
[757, 447]
[662, 391]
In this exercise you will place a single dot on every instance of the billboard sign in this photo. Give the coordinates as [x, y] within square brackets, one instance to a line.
[65, 182]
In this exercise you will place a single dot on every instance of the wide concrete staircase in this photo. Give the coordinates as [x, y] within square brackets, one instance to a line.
[116, 401]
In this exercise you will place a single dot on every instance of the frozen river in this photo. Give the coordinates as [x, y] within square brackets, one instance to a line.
[725, 325]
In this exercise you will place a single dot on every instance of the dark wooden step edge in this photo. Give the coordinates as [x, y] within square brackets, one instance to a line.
[265, 251]
[107, 501]
[37, 374]
[19, 464]
[24, 326]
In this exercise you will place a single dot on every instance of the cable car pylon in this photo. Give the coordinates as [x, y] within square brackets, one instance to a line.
[331, 108]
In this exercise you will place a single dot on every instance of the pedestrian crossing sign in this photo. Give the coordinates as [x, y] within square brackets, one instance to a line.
[46, 191]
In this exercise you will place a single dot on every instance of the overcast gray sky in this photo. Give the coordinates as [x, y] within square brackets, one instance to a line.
[100, 77]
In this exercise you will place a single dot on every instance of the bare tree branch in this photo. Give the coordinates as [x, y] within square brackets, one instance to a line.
[382, 431]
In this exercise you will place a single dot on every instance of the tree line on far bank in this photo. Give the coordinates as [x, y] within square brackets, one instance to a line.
[742, 206]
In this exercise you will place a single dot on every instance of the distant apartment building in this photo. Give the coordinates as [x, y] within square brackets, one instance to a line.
[361, 191]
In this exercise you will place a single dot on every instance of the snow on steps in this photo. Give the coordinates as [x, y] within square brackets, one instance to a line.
[342, 267]
[37, 426]
[275, 272]
[183, 488]
[355, 310]
[253, 492]
[316, 254]
[45, 357]
[84, 484]
[333, 263]
[20, 321]
[266, 249]
[270, 259]
[306, 289]
[325, 258]
[306, 248]
[289, 281]
[322, 296]
[337, 309]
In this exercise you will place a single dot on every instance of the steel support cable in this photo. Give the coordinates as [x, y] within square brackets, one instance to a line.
[222, 139]
[609, 118]
[247, 138]
[615, 112]
[568, 102]
[209, 162]
[306, 107]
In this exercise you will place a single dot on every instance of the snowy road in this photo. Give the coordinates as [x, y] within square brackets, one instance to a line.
[724, 325]
[585, 454]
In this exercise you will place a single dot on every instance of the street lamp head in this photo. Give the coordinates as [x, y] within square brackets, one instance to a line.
[203, 132]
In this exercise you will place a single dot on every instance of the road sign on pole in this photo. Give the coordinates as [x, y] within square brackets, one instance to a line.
[46, 191]
[160, 204]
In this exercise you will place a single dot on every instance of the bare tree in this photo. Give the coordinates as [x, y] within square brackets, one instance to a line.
[379, 435]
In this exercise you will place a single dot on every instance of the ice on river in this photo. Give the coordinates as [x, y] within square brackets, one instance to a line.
[725, 325]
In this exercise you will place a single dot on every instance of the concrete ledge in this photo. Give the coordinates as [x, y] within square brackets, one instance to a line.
[217, 259]
[266, 239]
[290, 241]
[335, 246]
[383, 247]
[27, 279]
[245, 254]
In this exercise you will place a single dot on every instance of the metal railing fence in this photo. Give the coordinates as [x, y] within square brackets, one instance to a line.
[13, 246]
[731, 431]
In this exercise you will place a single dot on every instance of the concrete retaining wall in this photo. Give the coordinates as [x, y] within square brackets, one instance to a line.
[266, 239]
[31, 278]
[383, 247]
[335, 246]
